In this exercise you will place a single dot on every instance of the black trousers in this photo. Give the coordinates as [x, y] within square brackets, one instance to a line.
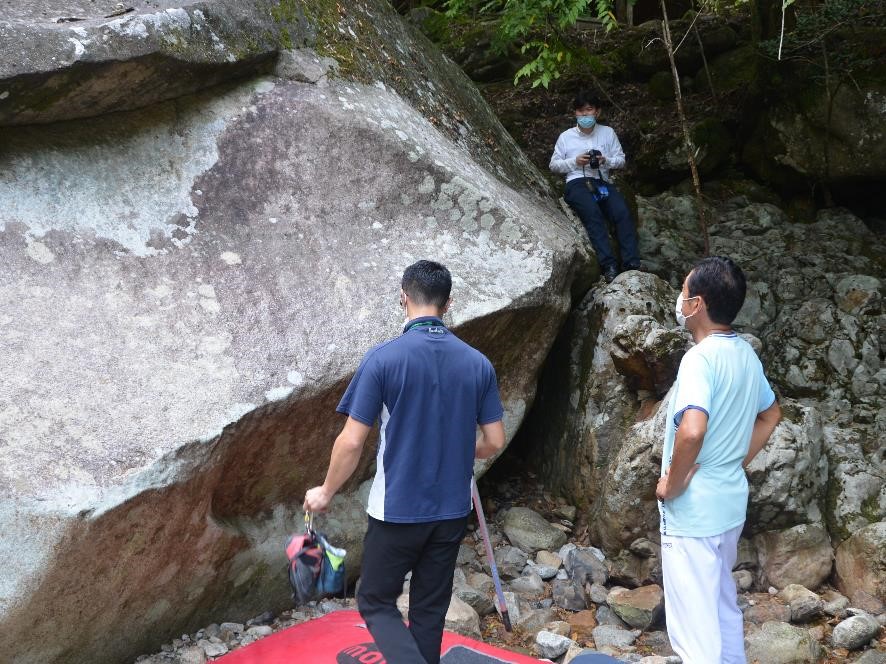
[591, 213]
[390, 550]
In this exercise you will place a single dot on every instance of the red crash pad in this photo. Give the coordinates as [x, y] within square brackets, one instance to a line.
[342, 638]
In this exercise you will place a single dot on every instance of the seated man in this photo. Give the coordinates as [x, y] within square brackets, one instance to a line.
[585, 154]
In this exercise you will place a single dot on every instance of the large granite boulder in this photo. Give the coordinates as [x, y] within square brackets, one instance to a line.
[615, 358]
[861, 563]
[813, 313]
[814, 299]
[800, 555]
[186, 290]
[81, 58]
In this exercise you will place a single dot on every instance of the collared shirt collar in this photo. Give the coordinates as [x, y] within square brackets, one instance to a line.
[423, 321]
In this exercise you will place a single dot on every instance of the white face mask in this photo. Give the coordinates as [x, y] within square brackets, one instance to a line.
[681, 319]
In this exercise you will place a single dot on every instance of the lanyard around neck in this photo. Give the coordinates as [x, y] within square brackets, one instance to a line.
[424, 323]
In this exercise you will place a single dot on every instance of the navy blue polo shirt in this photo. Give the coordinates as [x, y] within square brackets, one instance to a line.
[430, 390]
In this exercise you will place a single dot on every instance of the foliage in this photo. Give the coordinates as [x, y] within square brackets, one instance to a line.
[538, 27]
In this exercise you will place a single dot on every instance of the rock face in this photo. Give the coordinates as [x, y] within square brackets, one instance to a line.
[861, 562]
[187, 288]
[814, 314]
[586, 411]
[79, 59]
[788, 144]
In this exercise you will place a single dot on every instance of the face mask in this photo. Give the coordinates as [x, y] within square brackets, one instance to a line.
[586, 121]
[681, 319]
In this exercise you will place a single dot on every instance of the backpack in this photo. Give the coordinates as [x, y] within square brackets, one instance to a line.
[316, 568]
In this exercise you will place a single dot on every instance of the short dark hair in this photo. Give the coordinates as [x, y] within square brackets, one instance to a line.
[722, 285]
[427, 283]
[586, 98]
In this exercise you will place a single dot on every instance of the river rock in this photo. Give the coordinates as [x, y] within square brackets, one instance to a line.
[547, 559]
[744, 580]
[191, 655]
[478, 600]
[204, 252]
[760, 614]
[259, 631]
[480, 581]
[606, 616]
[461, 618]
[640, 608]
[550, 645]
[569, 595]
[800, 555]
[633, 570]
[781, 643]
[533, 621]
[211, 649]
[546, 573]
[530, 532]
[855, 632]
[598, 593]
[871, 657]
[582, 622]
[529, 586]
[804, 604]
[609, 636]
[466, 555]
[861, 563]
[835, 604]
[510, 562]
[584, 565]
[514, 606]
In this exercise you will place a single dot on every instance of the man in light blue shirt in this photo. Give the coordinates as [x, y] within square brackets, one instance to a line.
[720, 415]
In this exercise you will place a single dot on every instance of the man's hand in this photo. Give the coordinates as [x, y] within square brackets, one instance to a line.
[582, 159]
[663, 491]
[317, 499]
[601, 159]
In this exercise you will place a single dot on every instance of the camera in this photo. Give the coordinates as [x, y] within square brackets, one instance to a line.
[594, 161]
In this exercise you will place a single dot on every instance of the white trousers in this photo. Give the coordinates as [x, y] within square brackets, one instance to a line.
[704, 622]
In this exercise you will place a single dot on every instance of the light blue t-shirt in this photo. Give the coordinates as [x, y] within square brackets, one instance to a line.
[723, 377]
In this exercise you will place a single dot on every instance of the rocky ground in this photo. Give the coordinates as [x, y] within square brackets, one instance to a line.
[565, 597]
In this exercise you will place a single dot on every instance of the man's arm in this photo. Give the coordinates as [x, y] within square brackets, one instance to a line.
[616, 157]
[346, 454]
[491, 440]
[687, 444]
[764, 425]
[559, 162]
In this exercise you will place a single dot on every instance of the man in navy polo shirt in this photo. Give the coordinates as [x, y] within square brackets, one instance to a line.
[430, 391]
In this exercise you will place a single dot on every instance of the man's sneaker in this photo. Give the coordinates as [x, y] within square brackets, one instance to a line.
[609, 274]
[634, 266]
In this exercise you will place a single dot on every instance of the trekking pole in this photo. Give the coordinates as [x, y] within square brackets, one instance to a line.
[481, 520]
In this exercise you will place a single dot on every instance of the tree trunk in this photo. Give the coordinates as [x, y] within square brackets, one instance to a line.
[687, 137]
